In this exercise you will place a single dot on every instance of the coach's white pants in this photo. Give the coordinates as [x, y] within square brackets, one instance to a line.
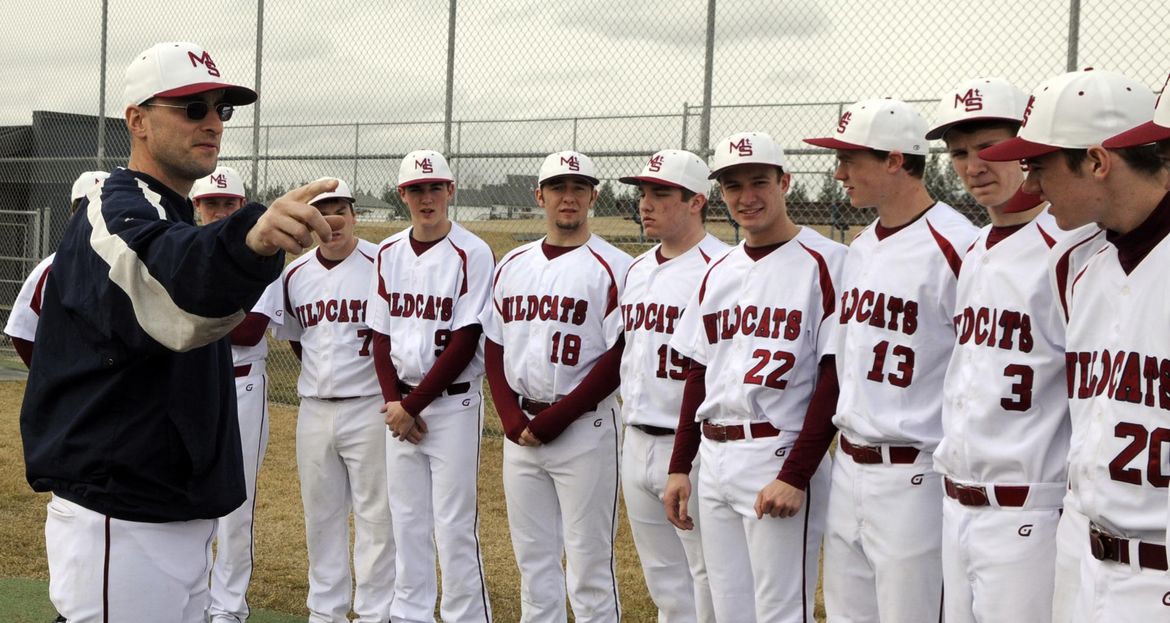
[761, 570]
[672, 559]
[562, 499]
[1072, 544]
[433, 499]
[103, 569]
[234, 538]
[1115, 593]
[999, 564]
[883, 558]
[341, 458]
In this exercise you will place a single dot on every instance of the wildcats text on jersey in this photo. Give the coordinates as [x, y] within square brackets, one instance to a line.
[528, 307]
[771, 322]
[873, 307]
[653, 317]
[330, 310]
[425, 306]
[1120, 375]
[995, 328]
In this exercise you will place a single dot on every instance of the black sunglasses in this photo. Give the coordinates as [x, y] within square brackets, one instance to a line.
[198, 109]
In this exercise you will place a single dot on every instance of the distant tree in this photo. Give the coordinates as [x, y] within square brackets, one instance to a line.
[797, 194]
[398, 209]
[941, 180]
[831, 191]
[606, 201]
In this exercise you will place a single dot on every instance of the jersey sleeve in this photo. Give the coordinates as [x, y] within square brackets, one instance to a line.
[291, 328]
[26, 309]
[377, 307]
[489, 317]
[830, 293]
[687, 339]
[472, 303]
[271, 304]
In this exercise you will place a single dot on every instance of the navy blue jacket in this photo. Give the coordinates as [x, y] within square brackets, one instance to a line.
[130, 408]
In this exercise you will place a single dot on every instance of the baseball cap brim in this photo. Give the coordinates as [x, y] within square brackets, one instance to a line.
[327, 196]
[233, 94]
[937, 132]
[832, 143]
[1016, 148]
[1144, 134]
[638, 179]
[218, 196]
[590, 179]
[426, 180]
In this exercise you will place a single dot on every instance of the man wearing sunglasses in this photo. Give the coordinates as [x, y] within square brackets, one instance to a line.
[129, 416]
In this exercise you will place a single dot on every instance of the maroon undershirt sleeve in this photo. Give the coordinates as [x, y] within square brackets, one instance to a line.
[384, 367]
[296, 348]
[450, 364]
[601, 381]
[506, 401]
[23, 348]
[686, 438]
[818, 430]
[251, 330]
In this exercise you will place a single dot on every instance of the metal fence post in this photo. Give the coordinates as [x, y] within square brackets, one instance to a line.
[708, 70]
[101, 129]
[685, 118]
[357, 133]
[1074, 32]
[574, 134]
[44, 227]
[256, 105]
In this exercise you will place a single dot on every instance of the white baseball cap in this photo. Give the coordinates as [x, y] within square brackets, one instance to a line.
[1076, 110]
[86, 181]
[423, 166]
[746, 148]
[342, 191]
[979, 99]
[674, 167]
[879, 124]
[1150, 131]
[565, 163]
[223, 182]
[178, 69]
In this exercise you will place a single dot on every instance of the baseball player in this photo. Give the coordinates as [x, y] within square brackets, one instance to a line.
[757, 331]
[673, 186]
[1117, 306]
[26, 309]
[129, 417]
[217, 197]
[895, 335]
[1005, 419]
[553, 354]
[431, 283]
[341, 438]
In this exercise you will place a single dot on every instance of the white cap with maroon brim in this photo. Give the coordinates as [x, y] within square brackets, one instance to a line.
[423, 166]
[86, 181]
[746, 148]
[341, 192]
[880, 125]
[178, 69]
[223, 182]
[1150, 131]
[1075, 110]
[980, 99]
[674, 167]
[565, 163]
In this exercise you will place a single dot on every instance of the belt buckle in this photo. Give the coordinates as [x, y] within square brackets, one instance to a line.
[720, 435]
[971, 495]
[1098, 544]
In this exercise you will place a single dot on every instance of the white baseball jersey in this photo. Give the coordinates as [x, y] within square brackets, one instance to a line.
[555, 317]
[420, 299]
[896, 329]
[26, 309]
[1005, 409]
[655, 295]
[1119, 391]
[761, 326]
[271, 304]
[325, 310]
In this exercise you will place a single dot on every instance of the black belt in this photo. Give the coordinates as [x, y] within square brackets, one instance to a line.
[657, 431]
[1106, 546]
[534, 407]
[453, 389]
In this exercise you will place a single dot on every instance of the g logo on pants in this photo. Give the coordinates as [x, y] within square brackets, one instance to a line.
[916, 479]
[1025, 530]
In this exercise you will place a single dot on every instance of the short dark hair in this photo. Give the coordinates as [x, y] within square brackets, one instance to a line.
[978, 125]
[1144, 159]
[914, 164]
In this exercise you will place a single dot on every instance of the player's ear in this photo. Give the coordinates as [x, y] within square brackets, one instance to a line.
[1099, 162]
[785, 181]
[539, 197]
[894, 161]
[136, 121]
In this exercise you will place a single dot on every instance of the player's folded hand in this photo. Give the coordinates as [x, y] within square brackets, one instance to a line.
[290, 222]
[778, 499]
[678, 494]
[403, 426]
[528, 439]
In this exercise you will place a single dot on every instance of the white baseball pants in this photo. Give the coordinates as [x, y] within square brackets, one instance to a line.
[232, 569]
[1112, 592]
[761, 570]
[562, 499]
[433, 500]
[672, 559]
[883, 558]
[103, 569]
[1072, 544]
[341, 459]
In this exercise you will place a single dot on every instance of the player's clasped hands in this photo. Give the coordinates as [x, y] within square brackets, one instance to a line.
[528, 439]
[403, 426]
[290, 222]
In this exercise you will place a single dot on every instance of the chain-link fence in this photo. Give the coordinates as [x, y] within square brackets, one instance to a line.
[347, 88]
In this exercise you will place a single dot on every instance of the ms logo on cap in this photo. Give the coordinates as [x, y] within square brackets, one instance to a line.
[656, 163]
[1028, 111]
[743, 145]
[844, 122]
[425, 165]
[972, 100]
[574, 165]
[220, 180]
[204, 60]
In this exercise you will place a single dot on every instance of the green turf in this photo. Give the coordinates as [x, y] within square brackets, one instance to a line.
[27, 601]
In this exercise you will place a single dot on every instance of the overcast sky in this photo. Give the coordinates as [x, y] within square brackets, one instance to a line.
[365, 62]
